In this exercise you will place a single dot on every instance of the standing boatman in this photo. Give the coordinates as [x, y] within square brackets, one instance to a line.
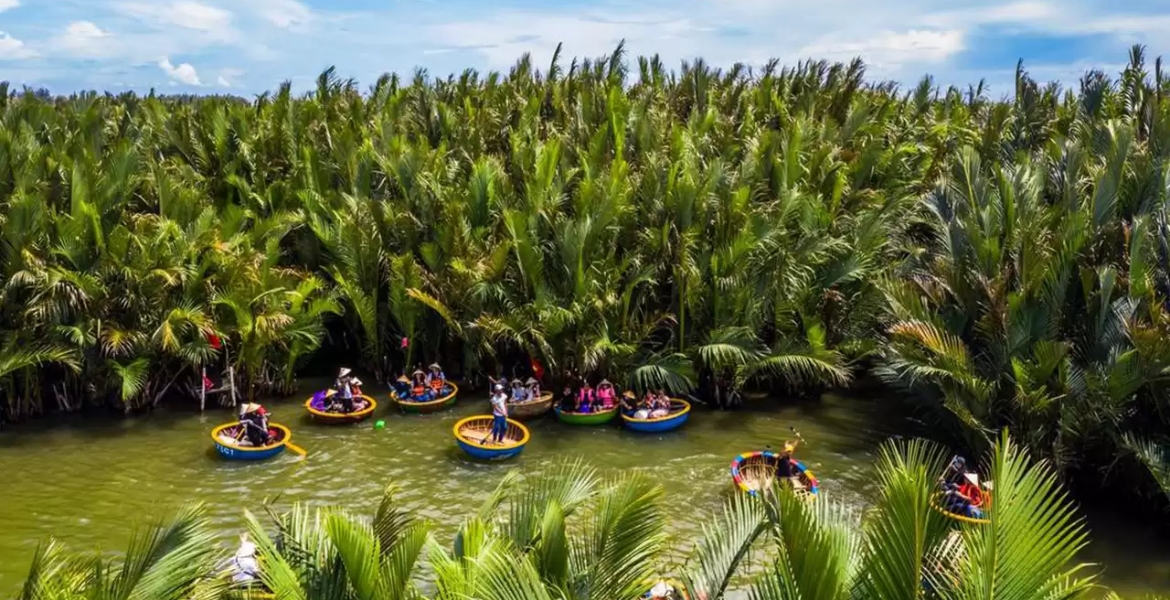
[499, 414]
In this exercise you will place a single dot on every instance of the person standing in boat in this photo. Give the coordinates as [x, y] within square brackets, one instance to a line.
[499, 414]
[343, 399]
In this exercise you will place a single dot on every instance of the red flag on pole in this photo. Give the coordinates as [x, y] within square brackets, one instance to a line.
[405, 342]
[214, 340]
[537, 368]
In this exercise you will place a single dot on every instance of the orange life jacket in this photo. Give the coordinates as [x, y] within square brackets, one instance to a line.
[973, 492]
[419, 390]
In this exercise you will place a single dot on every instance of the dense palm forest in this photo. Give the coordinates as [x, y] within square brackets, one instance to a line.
[1001, 262]
[568, 534]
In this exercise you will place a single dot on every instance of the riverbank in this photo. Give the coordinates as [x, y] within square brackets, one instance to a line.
[80, 480]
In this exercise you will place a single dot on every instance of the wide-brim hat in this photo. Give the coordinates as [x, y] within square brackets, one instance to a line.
[435, 366]
[972, 477]
[343, 372]
[418, 372]
[604, 382]
[789, 447]
[531, 380]
[403, 379]
[356, 381]
[499, 387]
[251, 407]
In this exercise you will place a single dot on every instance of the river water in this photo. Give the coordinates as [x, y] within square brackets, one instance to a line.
[85, 480]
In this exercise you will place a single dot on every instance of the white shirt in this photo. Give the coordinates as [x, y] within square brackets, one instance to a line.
[500, 404]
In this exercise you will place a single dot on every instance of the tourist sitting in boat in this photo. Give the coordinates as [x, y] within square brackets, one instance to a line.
[254, 421]
[629, 404]
[499, 414]
[402, 386]
[244, 567]
[418, 386]
[967, 498]
[606, 396]
[660, 406]
[533, 388]
[519, 392]
[585, 398]
[436, 380]
[645, 406]
[346, 387]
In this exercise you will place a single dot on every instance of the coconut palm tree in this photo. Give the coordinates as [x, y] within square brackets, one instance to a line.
[173, 558]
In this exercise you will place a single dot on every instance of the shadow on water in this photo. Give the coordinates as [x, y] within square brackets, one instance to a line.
[79, 478]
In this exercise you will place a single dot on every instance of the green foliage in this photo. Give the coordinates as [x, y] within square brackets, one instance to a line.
[1006, 263]
[567, 534]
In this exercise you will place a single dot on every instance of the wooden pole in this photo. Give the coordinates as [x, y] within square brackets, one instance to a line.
[203, 389]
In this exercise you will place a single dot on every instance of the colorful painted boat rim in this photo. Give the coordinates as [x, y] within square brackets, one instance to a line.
[936, 504]
[681, 410]
[232, 452]
[476, 448]
[316, 407]
[589, 418]
[429, 406]
[813, 485]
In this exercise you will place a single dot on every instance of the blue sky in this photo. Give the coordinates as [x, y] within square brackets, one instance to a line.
[248, 46]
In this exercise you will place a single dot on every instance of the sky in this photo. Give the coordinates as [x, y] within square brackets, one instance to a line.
[249, 46]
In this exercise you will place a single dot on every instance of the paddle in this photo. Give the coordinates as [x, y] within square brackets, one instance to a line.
[297, 449]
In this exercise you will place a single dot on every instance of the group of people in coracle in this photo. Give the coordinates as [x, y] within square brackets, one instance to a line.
[423, 386]
[962, 492]
[518, 391]
[653, 405]
[347, 392]
[586, 398]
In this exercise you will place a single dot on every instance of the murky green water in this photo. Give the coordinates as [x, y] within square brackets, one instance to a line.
[85, 482]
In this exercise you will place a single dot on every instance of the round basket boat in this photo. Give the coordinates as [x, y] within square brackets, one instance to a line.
[937, 503]
[530, 409]
[755, 471]
[589, 418]
[680, 411]
[318, 406]
[677, 591]
[472, 436]
[230, 448]
[409, 405]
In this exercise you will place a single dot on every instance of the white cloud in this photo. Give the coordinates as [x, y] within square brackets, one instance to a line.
[227, 77]
[504, 37]
[13, 49]
[84, 38]
[887, 48]
[184, 73]
[287, 14]
[185, 14]
[8, 4]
